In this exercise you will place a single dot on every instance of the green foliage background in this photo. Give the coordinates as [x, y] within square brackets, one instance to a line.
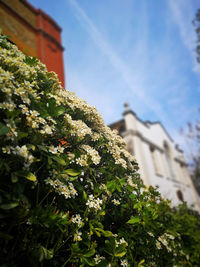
[70, 194]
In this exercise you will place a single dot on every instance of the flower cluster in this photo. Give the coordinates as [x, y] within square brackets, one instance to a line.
[77, 127]
[98, 258]
[67, 191]
[130, 182]
[12, 134]
[94, 155]
[77, 236]
[22, 152]
[116, 202]
[121, 241]
[164, 240]
[56, 150]
[77, 220]
[93, 203]
[9, 105]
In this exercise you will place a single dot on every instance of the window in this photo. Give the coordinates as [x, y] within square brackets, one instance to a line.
[155, 160]
[180, 195]
[168, 160]
[121, 129]
[130, 147]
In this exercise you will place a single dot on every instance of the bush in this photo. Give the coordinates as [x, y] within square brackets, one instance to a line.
[70, 192]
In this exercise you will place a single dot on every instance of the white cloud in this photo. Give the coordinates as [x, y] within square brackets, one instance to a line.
[183, 14]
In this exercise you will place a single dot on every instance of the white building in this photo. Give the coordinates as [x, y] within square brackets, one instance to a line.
[161, 162]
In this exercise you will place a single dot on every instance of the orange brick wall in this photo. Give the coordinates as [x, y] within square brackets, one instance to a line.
[34, 32]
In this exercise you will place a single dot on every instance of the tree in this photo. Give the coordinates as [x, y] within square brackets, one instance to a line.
[192, 134]
[196, 23]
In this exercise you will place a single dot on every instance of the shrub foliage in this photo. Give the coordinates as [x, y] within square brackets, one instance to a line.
[70, 192]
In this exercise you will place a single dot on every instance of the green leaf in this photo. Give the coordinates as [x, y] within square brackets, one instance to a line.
[120, 254]
[110, 246]
[73, 178]
[72, 172]
[50, 161]
[89, 253]
[97, 233]
[140, 264]
[84, 196]
[43, 148]
[90, 262]
[59, 111]
[31, 61]
[5, 236]
[14, 178]
[102, 213]
[132, 196]
[134, 220]
[9, 206]
[28, 175]
[4, 129]
[21, 135]
[104, 233]
[45, 254]
[59, 160]
[30, 146]
[31, 177]
[118, 187]
[111, 185]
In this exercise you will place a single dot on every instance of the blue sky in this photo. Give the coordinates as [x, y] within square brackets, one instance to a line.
[136, 51]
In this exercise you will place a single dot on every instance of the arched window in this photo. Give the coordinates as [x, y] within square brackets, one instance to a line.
[121, 129]
[155, 159]
[168, 160]
[180, 195]
[130, 147]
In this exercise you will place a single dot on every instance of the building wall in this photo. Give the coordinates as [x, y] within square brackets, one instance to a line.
[34, 32]
[150, 143]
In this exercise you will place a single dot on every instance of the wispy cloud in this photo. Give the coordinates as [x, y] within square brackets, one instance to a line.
[149, 73]
[183, 14]
[131, 80]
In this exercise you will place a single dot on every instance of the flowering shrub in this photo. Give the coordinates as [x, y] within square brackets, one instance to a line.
[70, 192]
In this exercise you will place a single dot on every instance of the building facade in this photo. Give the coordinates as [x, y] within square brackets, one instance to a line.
[161, 162]
[34, 32]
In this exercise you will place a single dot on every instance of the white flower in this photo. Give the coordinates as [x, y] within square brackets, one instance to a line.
[77, 220]
[47, 129]
[6, 150]
[98, 258]
[62, 189]
[151, 234]
[158, 245]
[24, 109]
[116, 202]
[77, 236]
[56, 150]
[82, 160]
[92, 153]
[124, 263]
[21, 151]
[53, 150]
[8, 105]
[121, 241]
[93, 203]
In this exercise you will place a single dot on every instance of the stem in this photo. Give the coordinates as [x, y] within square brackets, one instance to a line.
[67, 261]
[45, 197]
[39, 168]
[37, 195]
